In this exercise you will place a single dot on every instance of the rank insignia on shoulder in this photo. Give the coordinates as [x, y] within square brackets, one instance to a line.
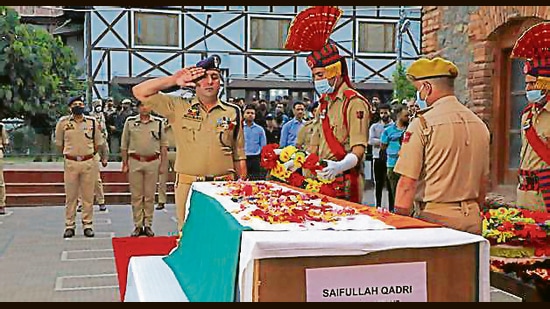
[407, 137]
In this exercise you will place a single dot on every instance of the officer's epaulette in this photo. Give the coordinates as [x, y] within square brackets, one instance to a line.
[134, 117]
[156, 118]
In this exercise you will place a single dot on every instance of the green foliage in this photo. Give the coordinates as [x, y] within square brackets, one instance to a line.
[35, 68]
[402, 87]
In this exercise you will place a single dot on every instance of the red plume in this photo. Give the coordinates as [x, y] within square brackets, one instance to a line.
[534, 43]
[311, 28]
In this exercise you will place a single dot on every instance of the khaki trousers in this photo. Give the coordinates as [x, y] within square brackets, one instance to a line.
[163, 178]
[143, 178]
[79, 178]
[464, 216]
[182, 189]
[98, 186]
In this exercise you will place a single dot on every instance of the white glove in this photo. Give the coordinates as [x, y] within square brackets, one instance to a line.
[278, 151]
[337, 167]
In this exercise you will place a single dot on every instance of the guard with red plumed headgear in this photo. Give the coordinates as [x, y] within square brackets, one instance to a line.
[534, 170]
[344, 115]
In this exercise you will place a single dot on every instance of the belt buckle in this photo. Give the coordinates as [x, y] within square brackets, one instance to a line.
[79, 158]
[200, 178]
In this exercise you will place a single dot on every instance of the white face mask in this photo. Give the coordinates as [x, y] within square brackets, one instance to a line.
[422, 104]
[534, 96]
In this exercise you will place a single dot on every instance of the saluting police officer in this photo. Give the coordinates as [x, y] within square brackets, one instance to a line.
[444, 157]
[3, 144]
[208, 132]
[143, 148]
[163, 177]
[78, 137]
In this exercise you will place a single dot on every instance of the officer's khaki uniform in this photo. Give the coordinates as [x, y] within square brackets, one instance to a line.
[3, 142]
[163, 178]
[303, 141]
[449, 158]
[358, 125]
[104, 153]
[80, 141]
[207, 142]
[143, 142]
[531, 162]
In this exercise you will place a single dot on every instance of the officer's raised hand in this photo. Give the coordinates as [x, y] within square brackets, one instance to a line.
[186, 76]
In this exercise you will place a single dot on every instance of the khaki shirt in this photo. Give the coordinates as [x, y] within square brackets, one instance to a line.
[169, 134]
[78, 138]
[4, 140]
[530, 160]
[305, 134]
[143, 138]
[358, 114]
[448, 158]
[207, 142]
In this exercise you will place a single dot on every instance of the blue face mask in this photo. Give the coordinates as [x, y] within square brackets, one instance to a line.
[534, 96]
[422, 104]
[323, 87]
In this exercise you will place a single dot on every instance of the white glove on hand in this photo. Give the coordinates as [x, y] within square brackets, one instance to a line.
[278, 151]
[334, 168]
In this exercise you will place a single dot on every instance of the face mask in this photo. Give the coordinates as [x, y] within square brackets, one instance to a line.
[323, 87]
[77, 110]
[534, 96]
[422, 104]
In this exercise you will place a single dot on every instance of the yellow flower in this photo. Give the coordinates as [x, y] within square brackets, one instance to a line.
[313, 185]
[280, 172]
[287, 153]
[299, 159]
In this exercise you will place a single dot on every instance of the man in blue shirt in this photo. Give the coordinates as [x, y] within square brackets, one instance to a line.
[289, 132]
[391, 143]
[254, 140]
[379, 157]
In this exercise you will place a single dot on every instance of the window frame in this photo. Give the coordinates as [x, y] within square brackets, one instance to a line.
[360, 21]
[133, 31]
[264, 16]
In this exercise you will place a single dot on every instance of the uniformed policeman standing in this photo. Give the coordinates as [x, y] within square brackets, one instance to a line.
[163, 177]
[208, 132]
[144, 151]
[4, 141]
[342, 135]
[78, 137]
[100, 157]
[534, 170]
[444, 158]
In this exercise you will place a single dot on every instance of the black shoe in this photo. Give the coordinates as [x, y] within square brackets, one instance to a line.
[160, 206]
[79, 208]
[88, 232]
[2, 210]
[68, 233]
[137, 232]
[102, 207]
[147, 231]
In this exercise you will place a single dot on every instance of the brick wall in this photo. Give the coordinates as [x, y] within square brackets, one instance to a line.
[463, 34]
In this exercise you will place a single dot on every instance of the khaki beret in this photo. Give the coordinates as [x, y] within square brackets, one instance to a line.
[425, 68]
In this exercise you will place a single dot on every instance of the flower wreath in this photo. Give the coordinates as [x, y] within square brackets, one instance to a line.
[286, 166]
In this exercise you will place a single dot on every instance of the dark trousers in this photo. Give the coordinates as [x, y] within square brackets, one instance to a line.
[255, 171]
[381, 181]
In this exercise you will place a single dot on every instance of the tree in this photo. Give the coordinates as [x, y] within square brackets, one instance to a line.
[402, 87]
[35, 68]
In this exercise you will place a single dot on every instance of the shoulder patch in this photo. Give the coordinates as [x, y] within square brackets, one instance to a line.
[407, 137]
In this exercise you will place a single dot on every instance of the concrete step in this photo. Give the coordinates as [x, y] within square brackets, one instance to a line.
[58, 199]
[20, 188]
[55, 176]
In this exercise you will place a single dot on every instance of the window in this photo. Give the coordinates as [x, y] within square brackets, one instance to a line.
[268, 33]
[156, 29]
[376, 37]
[518, 101]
